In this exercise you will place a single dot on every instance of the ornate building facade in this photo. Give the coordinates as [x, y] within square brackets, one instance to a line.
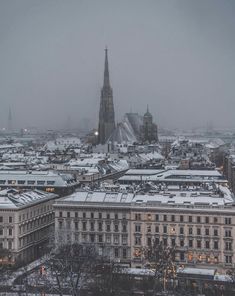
[26, 223]
[106, 114]
[201, 226]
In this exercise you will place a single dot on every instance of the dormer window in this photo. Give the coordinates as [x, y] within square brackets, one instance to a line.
[50, 182]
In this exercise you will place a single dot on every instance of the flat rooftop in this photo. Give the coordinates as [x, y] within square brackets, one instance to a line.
[222, 198]
[172, 175]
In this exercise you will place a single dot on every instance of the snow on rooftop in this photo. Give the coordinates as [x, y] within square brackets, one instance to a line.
[180, 175]
[14, 199]
[177, 198]
[40, 176]
[196, 271]
[151, 156]
[24, 172]
[99, 196]
[6, 203]
[10, 146]
[194, 172]
[223, 278]
[83, 162]
[143, 172]
[119, 165]
[138, 271]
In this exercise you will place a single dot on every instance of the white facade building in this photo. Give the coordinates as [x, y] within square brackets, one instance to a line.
[26, 223]
[200, 224]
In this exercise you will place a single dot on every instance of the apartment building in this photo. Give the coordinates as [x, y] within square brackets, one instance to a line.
[201, 225]
[49, 181]
[26, 223]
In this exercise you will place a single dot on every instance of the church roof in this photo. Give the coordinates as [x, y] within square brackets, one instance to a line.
[128, 130]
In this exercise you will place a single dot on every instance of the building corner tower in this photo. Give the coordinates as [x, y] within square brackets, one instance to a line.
[106, 113]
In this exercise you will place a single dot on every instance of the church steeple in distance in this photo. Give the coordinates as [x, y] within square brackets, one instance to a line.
[106, 69]
[106, 114]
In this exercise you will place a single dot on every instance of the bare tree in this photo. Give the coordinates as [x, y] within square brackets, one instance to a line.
[69, 268]
[104, 278]
[162, 259]
[111, 279]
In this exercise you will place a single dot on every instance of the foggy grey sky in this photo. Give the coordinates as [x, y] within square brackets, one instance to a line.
[176, 55]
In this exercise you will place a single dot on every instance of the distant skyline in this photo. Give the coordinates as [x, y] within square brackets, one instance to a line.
[177, 56]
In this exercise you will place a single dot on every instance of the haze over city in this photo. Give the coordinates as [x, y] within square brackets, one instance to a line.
[175, 56]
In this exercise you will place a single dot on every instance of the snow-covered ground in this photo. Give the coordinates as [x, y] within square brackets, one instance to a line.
[8, 278]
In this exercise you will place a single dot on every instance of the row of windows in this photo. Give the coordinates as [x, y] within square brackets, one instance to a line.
[92, 226]
[8, 246]
[92, 215]
[9, 231]
[10, 219]
[182, 218]
[181, 231]
[199, 258]
[100, 226]
[100, 238]
[35, 223]
[191, 243]
[149, 217]
[34, 213]
[33, 237]
[23, 182]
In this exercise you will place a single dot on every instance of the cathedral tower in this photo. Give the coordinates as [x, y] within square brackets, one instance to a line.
[149, 129]
[106, 114]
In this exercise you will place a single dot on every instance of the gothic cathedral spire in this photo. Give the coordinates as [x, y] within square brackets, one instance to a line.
[106, 69]
[106, 114]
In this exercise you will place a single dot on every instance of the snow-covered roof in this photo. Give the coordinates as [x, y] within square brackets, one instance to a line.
[13, 199]
[123, 133]
[151, 156]
[208, 173]
[223, 278]
[176, 175]
[41, 178]
[83, 162]
[196, 271]
[143, 172]
[99, 196]
[13, 164]
[119, 165]
[177, 199]
[137, 271]
[128, 130]
[10, 146]
[6, 203]
[62, 143]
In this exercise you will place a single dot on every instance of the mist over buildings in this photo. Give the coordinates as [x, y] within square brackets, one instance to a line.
[176, 56]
